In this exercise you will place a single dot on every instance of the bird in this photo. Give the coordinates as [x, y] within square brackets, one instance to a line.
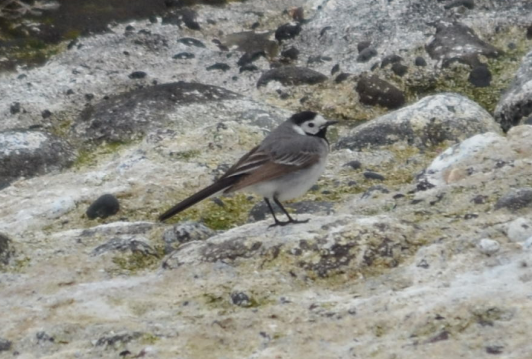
[284, 166]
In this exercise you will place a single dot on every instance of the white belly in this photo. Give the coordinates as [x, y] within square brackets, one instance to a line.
[290, 186]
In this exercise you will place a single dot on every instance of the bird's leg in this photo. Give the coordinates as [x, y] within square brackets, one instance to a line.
[277, 222]
[290, 219]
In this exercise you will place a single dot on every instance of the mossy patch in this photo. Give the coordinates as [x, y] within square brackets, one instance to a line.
[137, 261]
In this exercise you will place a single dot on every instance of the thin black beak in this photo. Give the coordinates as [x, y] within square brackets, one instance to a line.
[328, 123]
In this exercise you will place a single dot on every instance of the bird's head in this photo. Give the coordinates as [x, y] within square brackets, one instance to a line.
[310, 123]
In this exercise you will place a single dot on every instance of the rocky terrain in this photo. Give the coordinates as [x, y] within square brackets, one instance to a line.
[420, 234]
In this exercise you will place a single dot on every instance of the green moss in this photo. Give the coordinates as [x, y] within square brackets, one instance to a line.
[138, 261]
[187, 155]
[149, 339]
[234, 212]
[89, 157]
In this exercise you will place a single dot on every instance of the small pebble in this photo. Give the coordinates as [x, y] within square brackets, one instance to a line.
[488, 246]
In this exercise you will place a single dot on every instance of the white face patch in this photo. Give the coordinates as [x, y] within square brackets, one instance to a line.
[298, 129]
[313, 126]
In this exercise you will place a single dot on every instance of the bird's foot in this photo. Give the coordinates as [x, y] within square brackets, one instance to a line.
[291, 221]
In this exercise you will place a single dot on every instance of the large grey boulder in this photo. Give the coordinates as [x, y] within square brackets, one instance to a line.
[28, 153]
[515, 105]
[428, 122]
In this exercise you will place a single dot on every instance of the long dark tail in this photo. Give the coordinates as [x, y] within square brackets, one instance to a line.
[201, 195]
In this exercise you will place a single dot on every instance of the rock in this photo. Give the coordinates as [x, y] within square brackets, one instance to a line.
[248, 58]
[419, 61]
[354, 164]
[470, 4]
[287, 31]
[362, 45]
[515, 105]
[366, 54]
[291, 53]
[261, 211]
[248, 67]
[455, 42]
[374, 91]
[292, 76]
[105, 206]
[488, 246]
[431, 120]
[5, 252]
[5, 345]
[125, 244]
[357, 243]
[240, 299]
[130, 115]
[118, 340]
[399, 69]
[137, 75]
[341, 77]
[515, 199]
[14, 108]
[335, 69]
[219, 66]
[184, 56]
[519, 230]
[390, 59]
[252, 42]
[189, 41]
[373, 176]
[28, 153]
[183, 16]
[480, 76]
[46, 114]
[185, 232]
[529, 32]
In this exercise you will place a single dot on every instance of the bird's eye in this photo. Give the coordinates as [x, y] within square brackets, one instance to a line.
[310, 124]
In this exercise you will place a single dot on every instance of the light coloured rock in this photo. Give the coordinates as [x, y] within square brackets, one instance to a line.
[515, 105]
[488, 246]
[519, 230]
[428, 122]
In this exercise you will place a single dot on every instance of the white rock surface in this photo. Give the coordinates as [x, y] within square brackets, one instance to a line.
[519, 230]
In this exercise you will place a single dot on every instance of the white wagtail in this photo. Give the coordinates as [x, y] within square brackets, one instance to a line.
[284, 166]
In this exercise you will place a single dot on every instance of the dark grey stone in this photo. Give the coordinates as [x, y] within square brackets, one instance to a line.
[185, 16]
[105, 206]
[189, 41]
[353, 164]
[341, 77]
[399, 69]
[248, 67]
[287, 31]
[219, 66]
[374, 176]
[390, 59]
[335, 69]
[366, 54]
[137, 75]
[241, 299]
[119, 339]
[516, 199]
[374, 91]
[28, 153]
[291, 53]
[5, 345]
[480, 76]
[248, 58]
[419, 61]
[362, 45]
[184, 56]
[117, 119]
[291, 75]
[5, 249]
[14, 108]
[470, 4]
[457, 42]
